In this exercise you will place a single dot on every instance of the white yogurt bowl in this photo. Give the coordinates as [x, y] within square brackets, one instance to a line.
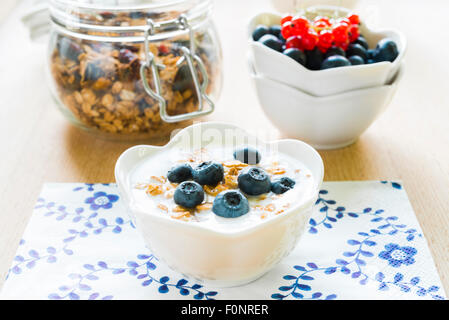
[324, 122]
[217, 257]
[278, 67]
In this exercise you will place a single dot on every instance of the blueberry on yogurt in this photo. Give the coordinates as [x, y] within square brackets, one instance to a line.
[230, 204]
[247, 155]
[189, 194]
[282, 185]
[208, 173]
[180, 173]
[254, 181]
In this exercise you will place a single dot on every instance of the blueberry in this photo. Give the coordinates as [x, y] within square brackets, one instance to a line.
[282, 185]
[254, 181]
[153, 15]
[370, 53]
[260, 31]
[183, 79]
[355, 49]
[188, 194]
[334, 51]
[362, 41]
[69, 49]
[142, 104]
[335, 62]
[230, 204]
[370, 61]
[180, 173]
[356, 60]
[272, 42]
[247, 155]
[137, 15]
[93, 71]
[276, 31]
[314, 59]
[208, 173]
[282, 40]
[296, 55]
[386, 50]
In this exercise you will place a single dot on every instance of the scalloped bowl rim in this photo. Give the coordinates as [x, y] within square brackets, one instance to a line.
[342, 95]
[304, 204]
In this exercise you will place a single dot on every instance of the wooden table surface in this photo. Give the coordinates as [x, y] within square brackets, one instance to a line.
[409, 142]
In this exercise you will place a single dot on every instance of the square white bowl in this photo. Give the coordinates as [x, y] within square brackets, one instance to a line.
[329, 122]
[278, 67]
[211, 256]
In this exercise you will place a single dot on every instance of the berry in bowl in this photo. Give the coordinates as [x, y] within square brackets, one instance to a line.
[312, 47]
[217, 211]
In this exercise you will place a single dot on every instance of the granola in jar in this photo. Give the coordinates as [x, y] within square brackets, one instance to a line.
[96, 77]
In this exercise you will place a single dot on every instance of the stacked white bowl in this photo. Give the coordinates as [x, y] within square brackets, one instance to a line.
[327, 108]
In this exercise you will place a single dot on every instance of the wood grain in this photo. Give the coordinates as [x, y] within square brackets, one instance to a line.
[409, 142]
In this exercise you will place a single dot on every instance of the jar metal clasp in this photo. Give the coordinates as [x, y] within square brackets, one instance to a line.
[188, 56]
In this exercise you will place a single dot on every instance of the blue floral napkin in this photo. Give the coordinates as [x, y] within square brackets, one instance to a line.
[362, 242]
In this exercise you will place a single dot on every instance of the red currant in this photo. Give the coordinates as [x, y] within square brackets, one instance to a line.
[321, 48]
[353, 32]
[320, 25]
[340, 32]
[164, 49]
[342, 44]
[321, 19]
[310, 39]
[300, 24]
[285, 19]
[343, 27]
[326, 38]
[354, 19]
[287, 30]
[294, 42]
[344, 21]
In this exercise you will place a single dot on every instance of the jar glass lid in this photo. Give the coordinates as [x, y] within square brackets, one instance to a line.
[124, 15]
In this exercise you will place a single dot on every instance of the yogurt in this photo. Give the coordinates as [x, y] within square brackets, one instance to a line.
[153, 193]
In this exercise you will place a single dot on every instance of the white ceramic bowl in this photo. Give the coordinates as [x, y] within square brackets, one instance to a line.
[219, 258]
[324, 122]
[276, 66]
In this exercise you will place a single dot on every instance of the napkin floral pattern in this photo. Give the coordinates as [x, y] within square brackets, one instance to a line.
[362, 242]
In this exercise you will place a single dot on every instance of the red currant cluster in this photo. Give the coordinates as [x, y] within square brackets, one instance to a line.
[322, 32]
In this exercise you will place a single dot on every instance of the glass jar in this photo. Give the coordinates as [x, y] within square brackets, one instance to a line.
[134, 69]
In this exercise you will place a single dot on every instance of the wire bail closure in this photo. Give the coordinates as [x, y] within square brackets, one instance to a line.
[188, 56]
